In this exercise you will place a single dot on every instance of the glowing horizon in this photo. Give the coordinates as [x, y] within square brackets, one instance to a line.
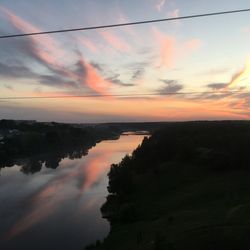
[182, 56]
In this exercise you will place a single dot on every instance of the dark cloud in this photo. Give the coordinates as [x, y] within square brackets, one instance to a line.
[217, 71]
[217, 86]
[28, 52]
[98, 66]
[54, 80]
[21, 71]
[172, 86]
[212, 96]
[7, 86]
[13, 71]
[138, 74]
[116, 80]
[137, 97]
[24, 49]
[80, 68]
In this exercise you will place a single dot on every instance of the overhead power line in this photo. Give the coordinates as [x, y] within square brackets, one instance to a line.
[126, 24]
[122, 95]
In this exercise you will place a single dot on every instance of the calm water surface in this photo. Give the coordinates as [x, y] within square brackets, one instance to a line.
[59, 208]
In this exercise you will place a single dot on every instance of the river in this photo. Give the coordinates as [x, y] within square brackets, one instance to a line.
[59, 208]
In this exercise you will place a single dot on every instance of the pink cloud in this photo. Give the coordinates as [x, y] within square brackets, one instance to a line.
[115, 41]
[47, 49]
[191, 46]
[50, 197]
[93, 79]
[171, 49]
[167, 48]
[95, 169]
[128, 29]
[43, 48]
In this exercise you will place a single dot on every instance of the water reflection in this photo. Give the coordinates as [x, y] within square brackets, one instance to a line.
[58, 208]
[34, 164]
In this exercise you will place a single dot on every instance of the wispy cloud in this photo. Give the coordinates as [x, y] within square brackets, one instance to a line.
[9, 87]
[92, 78]
[217, 86]
[116, 80]
[171, 86]
[215, 71]
[167, 47]
[43, 47]
[174, 13]
[171, 49]
[115, 41]
[239, 76]
[191, 46]
[138, 74]
[159, 4]
[46, 51]
[87, 43]
[13, 71]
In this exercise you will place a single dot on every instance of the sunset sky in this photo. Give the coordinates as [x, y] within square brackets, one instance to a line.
[210, 54]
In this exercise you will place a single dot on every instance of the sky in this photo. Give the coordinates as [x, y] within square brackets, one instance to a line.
[209, 56]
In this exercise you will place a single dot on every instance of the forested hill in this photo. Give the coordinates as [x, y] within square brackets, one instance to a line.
[185, 187]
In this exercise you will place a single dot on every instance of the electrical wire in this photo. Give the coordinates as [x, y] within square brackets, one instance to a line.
[126, 24]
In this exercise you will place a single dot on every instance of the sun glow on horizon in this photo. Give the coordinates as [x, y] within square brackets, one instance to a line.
[157, 58]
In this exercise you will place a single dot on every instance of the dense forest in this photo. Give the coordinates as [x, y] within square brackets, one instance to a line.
[185, 187]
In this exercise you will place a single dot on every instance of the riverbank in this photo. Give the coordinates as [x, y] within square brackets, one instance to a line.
[186, 187]
[50, 142]
[47, 142]
[59, 208]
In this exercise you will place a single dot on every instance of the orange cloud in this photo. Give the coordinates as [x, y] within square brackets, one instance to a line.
[115, 41]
